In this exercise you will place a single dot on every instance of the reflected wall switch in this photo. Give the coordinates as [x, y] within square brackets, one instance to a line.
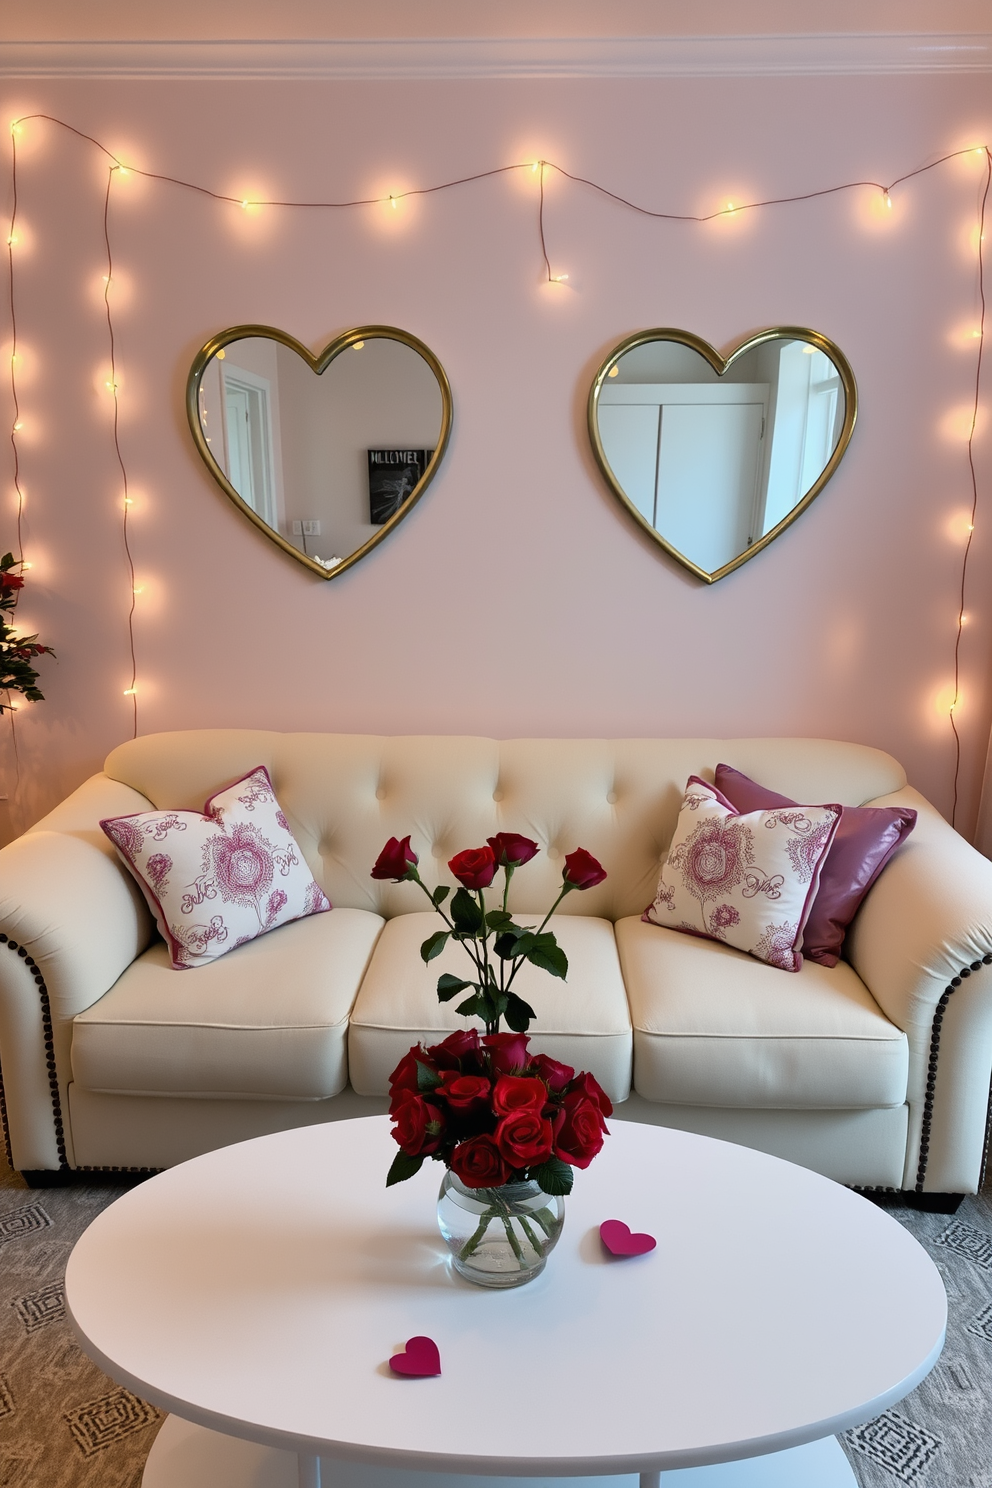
[306, 529]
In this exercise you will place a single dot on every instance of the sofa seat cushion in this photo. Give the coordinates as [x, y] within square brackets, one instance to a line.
[714, 1027]
[269, 1020]
[583, 1021]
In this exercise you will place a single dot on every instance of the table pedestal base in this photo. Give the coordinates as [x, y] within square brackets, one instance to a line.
[188, 1456]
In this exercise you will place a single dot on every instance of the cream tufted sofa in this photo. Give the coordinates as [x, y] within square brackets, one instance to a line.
[875, 1072]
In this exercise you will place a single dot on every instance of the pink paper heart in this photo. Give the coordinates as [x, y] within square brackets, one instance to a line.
[421, 1358]
[619, 1240]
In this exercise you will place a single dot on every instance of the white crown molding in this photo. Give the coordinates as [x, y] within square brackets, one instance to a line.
[583, 57]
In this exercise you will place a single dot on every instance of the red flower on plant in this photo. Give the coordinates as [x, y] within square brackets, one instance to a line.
[578, 1130]
[11, 581]
[587, 1085]
[466, 1094]
[507, 1051]
[418, 1126]
[524, 1138]
[397, 861]
[475, 867]
[556, 1076]
[511, 850]
[462, 1044]
[479, 1163]
[404, 1076]
[581, 870]
[513, 1093]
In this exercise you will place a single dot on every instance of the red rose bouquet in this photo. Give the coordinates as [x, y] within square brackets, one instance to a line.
[494, 1113]
[489, 1109]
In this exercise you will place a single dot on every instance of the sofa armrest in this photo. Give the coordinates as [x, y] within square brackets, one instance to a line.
[922, 943]
[71, 920]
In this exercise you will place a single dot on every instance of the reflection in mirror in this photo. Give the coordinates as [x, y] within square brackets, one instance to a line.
[326, 454]
[715, 457]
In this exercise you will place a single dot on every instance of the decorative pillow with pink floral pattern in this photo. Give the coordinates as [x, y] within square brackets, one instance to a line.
[748, 879]
[216, 880]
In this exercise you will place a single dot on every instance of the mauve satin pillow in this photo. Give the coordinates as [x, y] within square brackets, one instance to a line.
[865, 840]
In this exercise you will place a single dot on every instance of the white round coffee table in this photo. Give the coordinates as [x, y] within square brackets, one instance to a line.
[257, 1293]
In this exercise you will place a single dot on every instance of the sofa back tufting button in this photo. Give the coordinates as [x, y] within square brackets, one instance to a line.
[611, 796]
[497, 795]
[380, 794]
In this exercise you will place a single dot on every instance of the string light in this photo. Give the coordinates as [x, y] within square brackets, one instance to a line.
[116, 169]
[358, 345]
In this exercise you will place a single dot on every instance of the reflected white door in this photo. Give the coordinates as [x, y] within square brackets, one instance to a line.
[708, 464]
[629, 433]
[249, 442]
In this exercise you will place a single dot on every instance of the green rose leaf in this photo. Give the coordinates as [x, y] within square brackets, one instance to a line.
[403, 1167]
[440, 894]
[518, 1014]
[549, 958]
[449, 986]
[554, 1176]
[427, 1079]
[470, 1007]
[466, 913]
[434, 945]
[499, 919]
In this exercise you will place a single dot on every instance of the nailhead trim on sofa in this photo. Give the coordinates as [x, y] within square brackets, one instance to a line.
[53, 1079]
[938, 1018]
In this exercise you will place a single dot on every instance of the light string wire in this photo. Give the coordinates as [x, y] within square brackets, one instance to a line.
[541, 167]
[976, 403]
[131, 691]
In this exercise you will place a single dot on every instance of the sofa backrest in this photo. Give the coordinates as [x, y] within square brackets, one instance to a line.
[345, 794]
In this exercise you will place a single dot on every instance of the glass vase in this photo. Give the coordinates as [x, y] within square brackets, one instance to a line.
[499, 1237]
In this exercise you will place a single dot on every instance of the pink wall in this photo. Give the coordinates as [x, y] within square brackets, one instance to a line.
[518, 598]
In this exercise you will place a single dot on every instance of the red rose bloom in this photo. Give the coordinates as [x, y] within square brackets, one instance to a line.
[461, 1044]
[465, 1093]
[418, 1126]
[589, 1086]
[475, 867]
[404, 1076]
[397, 861]
[556, 1076]
[511, 850]
[513, 1093]
[581, 870]
[479, 1163]
[507, 1051]
[578, 1130]
[524, 1138]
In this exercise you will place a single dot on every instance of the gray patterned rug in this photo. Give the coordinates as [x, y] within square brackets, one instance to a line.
[64, 1424]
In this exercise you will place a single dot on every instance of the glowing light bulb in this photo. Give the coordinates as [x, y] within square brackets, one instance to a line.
[18, 426]
[15, 127]
[613, 372]
[138, 589]
[730, 208]
[27, 565]
[559, 278]
[537, 165]
[128, 501]
[392, 201]
[11, 239]
[888, 200]
[130, 691]
[244, 206]
[357, 345]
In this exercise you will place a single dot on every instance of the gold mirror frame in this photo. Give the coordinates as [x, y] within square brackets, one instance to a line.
[720, 365]
[317, 364]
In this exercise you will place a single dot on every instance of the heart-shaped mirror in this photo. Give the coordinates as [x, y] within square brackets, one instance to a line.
[327, 453]
[716, 456]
